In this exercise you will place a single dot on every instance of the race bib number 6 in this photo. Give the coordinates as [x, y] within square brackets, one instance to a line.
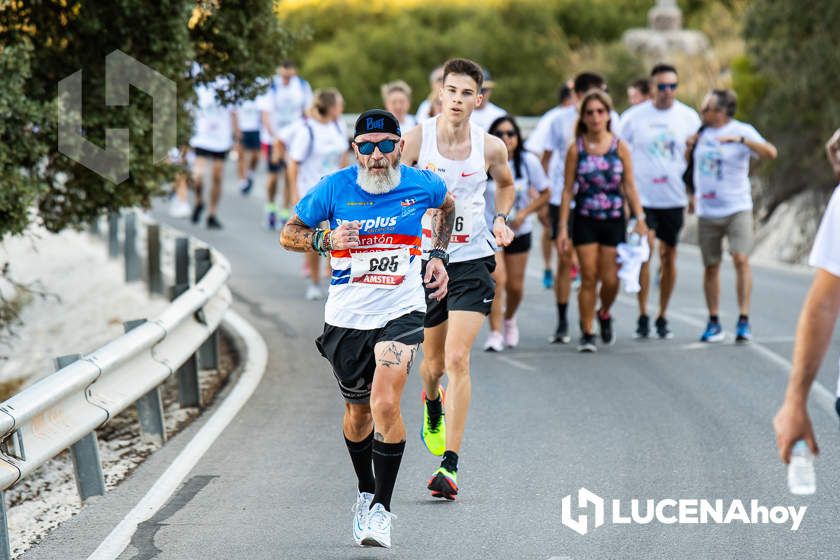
[379, 269]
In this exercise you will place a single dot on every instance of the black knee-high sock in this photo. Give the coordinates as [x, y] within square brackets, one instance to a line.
[361, 453]
[386, 463]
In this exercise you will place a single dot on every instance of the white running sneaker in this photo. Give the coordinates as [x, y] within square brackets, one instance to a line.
[313, 292]
[180, 208]
[378, 531]
[495, 342]
[511, 335]
[360, 510]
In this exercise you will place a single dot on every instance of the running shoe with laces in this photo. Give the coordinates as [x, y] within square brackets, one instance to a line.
[378, 530]
[271, 216]
[444, 484]
[495, 342]
[548, 279]
[743, 332]
[713, 333]
[606, 328]
[511, 335]
[360, 513]
[587, 344]
[433, 430]
[245, 186]
[662, 330]
[643, 326]
[561, 335]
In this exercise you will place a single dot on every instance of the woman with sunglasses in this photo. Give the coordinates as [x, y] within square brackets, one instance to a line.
[319, 147]
[599, 175]
[512, 260]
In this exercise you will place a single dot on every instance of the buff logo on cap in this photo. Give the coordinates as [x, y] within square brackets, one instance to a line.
[377, 120]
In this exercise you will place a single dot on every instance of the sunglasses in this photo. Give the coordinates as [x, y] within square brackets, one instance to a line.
[385, 146]
[663, 87]
[503, 133]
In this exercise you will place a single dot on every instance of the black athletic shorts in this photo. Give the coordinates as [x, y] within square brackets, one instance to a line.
[471, 288]
[666, 222]
[609, 233]
[554, 220]
[201, 152]
[520, 244]
[275, 167]
[251, 140]
[350, 351]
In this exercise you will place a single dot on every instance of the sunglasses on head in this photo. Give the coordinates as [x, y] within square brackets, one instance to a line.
[385, 146]
[663, 87]
[503, 133]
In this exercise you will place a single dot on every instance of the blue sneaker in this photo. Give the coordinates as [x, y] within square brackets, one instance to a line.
[548, 279]
[713, 333]
[743, 332]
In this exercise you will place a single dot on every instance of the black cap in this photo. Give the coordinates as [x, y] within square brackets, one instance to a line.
[377, 120]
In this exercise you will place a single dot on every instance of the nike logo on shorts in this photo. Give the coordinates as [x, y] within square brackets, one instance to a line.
[487, 300]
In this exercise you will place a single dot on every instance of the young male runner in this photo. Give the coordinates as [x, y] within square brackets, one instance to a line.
[462, 154]
[375, 308]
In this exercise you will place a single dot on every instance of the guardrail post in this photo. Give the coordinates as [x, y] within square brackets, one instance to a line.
[189, 393]
[155, 275]
[149, 406]
[132, 259]
[208, 352]
[5, 545]
[113, 235]
[86, 463]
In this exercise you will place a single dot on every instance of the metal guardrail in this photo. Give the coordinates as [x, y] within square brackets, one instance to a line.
[65, 408]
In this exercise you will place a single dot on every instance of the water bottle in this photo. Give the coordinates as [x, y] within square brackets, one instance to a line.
[633, 238]
[802, 479]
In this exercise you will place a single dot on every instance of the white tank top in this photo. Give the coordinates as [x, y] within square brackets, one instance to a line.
[465, 180]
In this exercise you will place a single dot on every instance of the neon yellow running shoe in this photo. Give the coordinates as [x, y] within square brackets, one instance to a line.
[434, 437]
[444, 484]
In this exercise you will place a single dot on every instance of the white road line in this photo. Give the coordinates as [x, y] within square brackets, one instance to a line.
[160, 492]
[516, 363]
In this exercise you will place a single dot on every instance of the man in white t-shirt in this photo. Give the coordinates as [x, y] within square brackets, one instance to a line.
[214, 130]
[281, 106]
[656, 131]
[248, 143]
[724, 203]
[816, 323]
[486, 112]
[536, 143]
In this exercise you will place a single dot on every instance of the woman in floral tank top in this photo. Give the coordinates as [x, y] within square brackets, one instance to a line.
[599, 177]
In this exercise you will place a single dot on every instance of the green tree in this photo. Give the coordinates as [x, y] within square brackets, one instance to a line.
[46, 41]
[794, 51]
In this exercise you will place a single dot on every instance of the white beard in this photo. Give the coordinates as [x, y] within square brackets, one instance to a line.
[379, 183]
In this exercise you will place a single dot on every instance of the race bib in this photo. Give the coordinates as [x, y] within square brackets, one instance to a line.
[461, 228]
[379, 269]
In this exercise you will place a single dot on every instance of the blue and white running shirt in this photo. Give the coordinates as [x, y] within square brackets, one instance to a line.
[380, 280]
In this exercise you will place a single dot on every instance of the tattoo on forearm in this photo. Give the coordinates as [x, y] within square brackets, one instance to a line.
[443, 220]
[297, 236]
[390, 356]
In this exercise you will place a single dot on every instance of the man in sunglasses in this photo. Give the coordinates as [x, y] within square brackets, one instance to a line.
[376, 303]
[656, 132]
[463, 154]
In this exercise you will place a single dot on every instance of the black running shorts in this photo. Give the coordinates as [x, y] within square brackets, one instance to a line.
[201, 152]
[520, 244]
[609, 233]
[350, 351]
[471, 288]
[666, 222]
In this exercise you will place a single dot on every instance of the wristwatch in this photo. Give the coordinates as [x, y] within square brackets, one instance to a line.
[439, 254]
[501, 215]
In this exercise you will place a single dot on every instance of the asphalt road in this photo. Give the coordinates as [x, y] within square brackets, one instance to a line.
[641, 419]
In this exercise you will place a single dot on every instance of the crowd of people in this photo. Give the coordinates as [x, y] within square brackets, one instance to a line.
[429, 230]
